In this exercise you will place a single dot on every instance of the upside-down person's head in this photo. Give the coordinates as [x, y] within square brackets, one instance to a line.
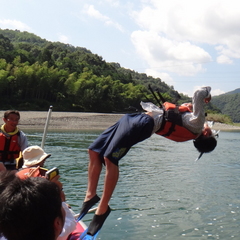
[206, 142]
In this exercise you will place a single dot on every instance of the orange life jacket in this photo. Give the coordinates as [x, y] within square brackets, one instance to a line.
[172, 127]
[9, 147]
[23, 173]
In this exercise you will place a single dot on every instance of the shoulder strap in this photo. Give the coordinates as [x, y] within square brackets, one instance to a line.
[170, 130]
[6, 148]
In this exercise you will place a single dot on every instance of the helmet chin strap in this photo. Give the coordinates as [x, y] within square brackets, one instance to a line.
[199, 156]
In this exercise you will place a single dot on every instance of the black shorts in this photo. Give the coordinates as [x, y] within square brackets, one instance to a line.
[115, 142]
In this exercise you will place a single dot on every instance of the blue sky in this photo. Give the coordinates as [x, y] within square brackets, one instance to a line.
[186, 43]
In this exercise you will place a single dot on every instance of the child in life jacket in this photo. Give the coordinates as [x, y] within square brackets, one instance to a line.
[114, 143]
[185, 122]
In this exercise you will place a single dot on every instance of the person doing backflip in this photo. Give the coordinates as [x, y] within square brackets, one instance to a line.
[116, 141]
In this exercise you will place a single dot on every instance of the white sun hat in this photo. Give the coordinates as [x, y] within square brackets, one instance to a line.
[33, 155]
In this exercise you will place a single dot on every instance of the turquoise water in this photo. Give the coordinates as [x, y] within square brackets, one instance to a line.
[162, 192]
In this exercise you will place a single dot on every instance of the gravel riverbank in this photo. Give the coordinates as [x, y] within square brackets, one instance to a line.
[80, 121]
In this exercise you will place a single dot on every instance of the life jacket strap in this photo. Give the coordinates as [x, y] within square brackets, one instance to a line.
[170, 130]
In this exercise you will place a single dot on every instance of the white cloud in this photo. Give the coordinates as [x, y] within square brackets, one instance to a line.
[63, 38]
[114, 3]
[226, 55]
[173, 34]
[201, 21]
[216, 92]
[222, 59]
[163, 76]
[14, 24]
[169, 55]
[92, 12]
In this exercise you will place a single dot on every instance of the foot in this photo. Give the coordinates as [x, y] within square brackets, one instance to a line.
[87, 205]
[97, 222]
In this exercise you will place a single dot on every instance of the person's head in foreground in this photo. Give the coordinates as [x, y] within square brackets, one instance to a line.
[30, 209]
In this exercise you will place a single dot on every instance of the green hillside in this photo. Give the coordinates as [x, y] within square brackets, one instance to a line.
[234, 91]
[36, 73]
[229, 104]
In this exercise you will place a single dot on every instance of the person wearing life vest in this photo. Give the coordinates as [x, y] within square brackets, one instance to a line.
[172, 126]
[34, 158]
[114, 143]
[12, 140]
[183, 123]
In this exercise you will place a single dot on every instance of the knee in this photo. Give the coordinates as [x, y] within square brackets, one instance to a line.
[110, 164]
[94, 157]
[90, 151]
[93, 154]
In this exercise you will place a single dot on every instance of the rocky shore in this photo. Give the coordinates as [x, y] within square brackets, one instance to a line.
[67, 120]
[80, 121]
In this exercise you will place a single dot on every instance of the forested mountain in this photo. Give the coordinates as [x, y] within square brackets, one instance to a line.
[229, 104]
[36, 73]
[234, 91]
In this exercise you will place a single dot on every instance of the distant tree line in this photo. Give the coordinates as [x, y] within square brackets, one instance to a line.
[36, 73]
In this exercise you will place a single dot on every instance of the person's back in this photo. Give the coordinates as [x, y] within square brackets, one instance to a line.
[30, 209]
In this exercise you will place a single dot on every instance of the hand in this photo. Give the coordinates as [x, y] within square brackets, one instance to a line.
[207, 100]
[56, 180]
[207, 131]
[188, 105]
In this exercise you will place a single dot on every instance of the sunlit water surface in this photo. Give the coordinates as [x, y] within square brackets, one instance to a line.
[162, 192]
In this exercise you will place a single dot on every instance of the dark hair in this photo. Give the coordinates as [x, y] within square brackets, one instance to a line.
[5, 178]
[205, 144]
[8, 112]
[29, 208]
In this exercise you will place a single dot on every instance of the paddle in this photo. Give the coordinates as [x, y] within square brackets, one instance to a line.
[46, 126]
[154, 95]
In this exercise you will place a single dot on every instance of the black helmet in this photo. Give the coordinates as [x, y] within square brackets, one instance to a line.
[205, 144]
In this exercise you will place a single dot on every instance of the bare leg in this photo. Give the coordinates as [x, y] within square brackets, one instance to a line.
[103, 210]
[110, 182]
[94, 170]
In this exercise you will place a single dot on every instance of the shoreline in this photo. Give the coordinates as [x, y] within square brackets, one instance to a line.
[81, 121]
[67, 120]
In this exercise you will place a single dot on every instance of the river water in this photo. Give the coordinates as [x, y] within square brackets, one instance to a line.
[162, 192]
